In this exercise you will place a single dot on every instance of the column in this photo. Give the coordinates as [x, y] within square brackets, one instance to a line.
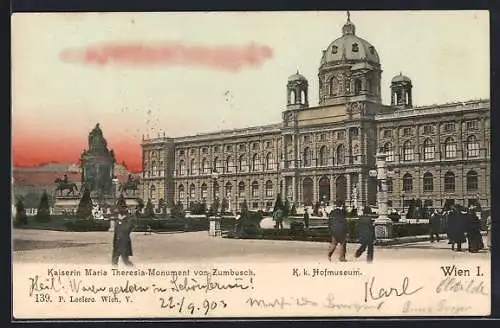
[348, 191]
[333, 193]
[315, 190]
[294, 190]
[361, 190]
[383, 225]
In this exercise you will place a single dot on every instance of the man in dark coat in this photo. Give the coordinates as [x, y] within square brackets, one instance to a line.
[366, 234]
[456, 227]
[337, 222]
[306, 219]
[474, 238]
[435, 225]
[122, 244]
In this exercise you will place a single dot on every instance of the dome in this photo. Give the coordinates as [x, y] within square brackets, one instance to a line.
[400, 78]
[350, 47]
[296, 77]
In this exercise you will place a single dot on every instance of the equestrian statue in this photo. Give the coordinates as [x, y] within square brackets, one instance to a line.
[131, 184]
[64, 184]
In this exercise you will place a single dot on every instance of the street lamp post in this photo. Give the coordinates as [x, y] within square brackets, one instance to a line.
[114, 182]
[402, 202]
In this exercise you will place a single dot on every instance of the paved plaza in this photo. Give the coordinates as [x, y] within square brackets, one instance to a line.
[95, 248]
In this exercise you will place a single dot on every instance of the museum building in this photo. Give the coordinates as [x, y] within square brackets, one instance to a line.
[324, 153]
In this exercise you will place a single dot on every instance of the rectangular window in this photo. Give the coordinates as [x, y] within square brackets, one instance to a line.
[450, 150]
[428, 129]
[449, 127]
[429, 152]
[340, 135]
[472, 125]
[387, 133]
[406, 132]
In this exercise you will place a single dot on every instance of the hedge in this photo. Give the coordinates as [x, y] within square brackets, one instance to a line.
[82, 225]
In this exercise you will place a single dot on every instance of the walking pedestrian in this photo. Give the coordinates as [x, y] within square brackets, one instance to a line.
[366, 234]
[474, 238]
[306, 218]
[122, 244]
[435, 225]
[457, 218]
[337, 222]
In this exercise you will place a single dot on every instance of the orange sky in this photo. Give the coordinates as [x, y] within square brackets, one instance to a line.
[186, 73]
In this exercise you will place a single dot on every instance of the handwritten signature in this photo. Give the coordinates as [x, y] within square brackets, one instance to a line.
[375, 294]
[470, 286]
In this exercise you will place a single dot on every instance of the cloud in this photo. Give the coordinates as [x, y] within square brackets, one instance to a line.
[223, 57]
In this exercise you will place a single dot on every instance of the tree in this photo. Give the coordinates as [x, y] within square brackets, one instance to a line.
[178, 210]
[84, 210]
[121, 203]
[293, 210]
[162, 204]
[244, 207]
[286, 208]
[224, 205]
[278, 204]
[43, 213]
[214, 207]
[140, 203]
[149, 212]
[21, 217]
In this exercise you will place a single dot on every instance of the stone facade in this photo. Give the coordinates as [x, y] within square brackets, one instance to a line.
[325, 153]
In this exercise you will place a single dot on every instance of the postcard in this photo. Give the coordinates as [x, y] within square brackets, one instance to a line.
[251, 164]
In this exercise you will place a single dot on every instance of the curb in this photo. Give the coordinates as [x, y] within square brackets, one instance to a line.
[412, 239]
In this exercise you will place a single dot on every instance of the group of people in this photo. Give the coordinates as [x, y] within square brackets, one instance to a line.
[461, 225]
[337, 223]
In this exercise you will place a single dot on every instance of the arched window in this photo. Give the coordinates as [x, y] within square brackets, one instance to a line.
[269, 188]
[229, 189]
[256, 163]
[472, 181]
[307, 157]
[428, 149]
[153, 169]
[450, 148]
[407, 182]
[407, 151]
[216, 166]
[181, 193]
[449, 182]
[302, 97]
[323, 156]
[182, 167]
[241, 189]
[242, 163]
[255, 189]
[293, 97]
[152, 192]
[472, 147]
[332, 86]
[357, 86]
[229, 165]
[160, 169]
[428, 182]
[192, 167]
[204, 166]
[340, 154]
[389, 151]
[204, 191]
[270, 162]
[192, 192]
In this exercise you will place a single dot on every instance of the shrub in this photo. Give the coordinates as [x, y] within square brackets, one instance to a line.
[43, 214]
[21, 218]
[82, 225]
[149, 212]
[84, 210]
[406, 229]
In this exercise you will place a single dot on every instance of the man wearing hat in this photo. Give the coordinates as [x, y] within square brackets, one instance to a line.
[122, 244]
[337, 222]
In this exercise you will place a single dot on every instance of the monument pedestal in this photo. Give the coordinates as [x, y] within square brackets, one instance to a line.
[383, 227]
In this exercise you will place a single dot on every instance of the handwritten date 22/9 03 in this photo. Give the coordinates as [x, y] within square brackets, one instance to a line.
[183, 306]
